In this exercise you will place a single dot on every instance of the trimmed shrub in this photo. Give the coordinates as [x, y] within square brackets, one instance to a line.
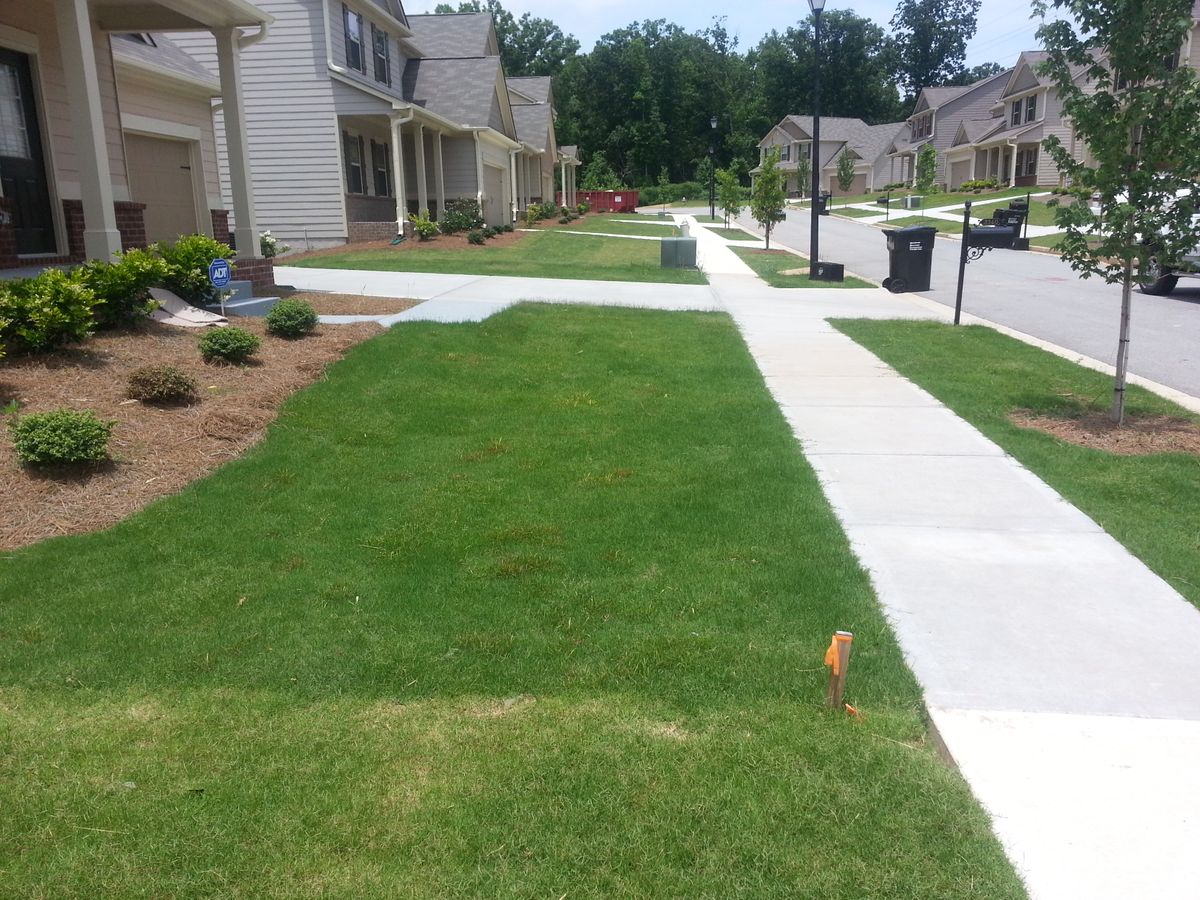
[506, 228]
[292, 318]
[161, 384]
[187, 262]
[653, 194]
[426, 228]
[460, 215]
[41, 313]
[979, 184]
[270, 246]
[583, 208]
[229, 344]
[122, 288]
[564, 221]
[60, 436]
[475, 237]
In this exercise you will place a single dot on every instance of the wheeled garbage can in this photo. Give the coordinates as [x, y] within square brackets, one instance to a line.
[910, 258]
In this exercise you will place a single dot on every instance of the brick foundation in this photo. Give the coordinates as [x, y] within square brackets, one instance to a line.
[259, 272]
[220, 225]
[131, 223]
[8, 237]
[358, 232]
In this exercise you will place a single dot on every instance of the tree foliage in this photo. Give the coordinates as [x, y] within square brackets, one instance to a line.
[845, 171]
[731, 196]
[926, 169]
[930, 41]
[767, 197]
[976, 73]
[598, 175]
[1139, 115]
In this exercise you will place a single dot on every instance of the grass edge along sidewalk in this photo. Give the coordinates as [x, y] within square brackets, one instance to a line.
[519, 608]
[769, 265]
[1147, 503]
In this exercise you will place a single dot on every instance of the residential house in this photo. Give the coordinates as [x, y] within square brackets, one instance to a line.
[866, 144]
[96, 116]
[364, 115]
[935, 122]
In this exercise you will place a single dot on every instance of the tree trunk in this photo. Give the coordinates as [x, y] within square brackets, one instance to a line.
[1118, 405]
[768, 232]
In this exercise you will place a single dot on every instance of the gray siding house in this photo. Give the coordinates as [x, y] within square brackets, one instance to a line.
[360, 114]
[866, 144]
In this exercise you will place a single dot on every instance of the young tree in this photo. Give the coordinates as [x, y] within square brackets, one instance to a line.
[803, 175]
[926, 170]
[1138, 112]
[664, 187]
[930, 41]
[598, 175]
[845, 172]
[767, 199]
[731, 196]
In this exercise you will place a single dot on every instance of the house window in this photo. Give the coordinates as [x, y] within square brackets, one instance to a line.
[381, 164]
[1027, 162]
[14, 138]
[1031, 108]
[1016, 113]
[355, 58]
[353, 148]
[785, 153]
[383, 55]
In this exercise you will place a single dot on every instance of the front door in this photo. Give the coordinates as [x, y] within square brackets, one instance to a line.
[22, 164]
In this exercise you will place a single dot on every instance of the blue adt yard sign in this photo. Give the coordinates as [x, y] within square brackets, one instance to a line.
[220, 273]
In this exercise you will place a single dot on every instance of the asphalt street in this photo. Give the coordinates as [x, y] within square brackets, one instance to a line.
[1036, 293]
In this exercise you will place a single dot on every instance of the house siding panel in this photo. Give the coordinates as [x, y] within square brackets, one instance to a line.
[458, 158]
[295, 148]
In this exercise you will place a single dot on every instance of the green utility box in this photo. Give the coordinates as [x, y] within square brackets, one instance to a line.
[679, 253]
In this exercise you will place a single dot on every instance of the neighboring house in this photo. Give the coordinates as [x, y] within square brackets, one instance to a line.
[532, 101]
[89, 118]
[358, 103]
[867, 145]
[568, 162]
[935, 122]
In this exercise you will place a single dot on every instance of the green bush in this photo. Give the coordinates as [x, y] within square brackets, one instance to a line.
[475, 237]
[161, 384]
[60, 436]
[270, 246]
[506, 228]
[563, 221]
[187, 262]
[229, 344]
[979, 184]
[460, 215]
[122, 288]
[426, 228]
[653, 195]
[41, 313]
[292, 318]
[583, 208]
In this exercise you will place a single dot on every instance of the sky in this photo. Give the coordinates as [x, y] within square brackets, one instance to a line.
[1004, 27]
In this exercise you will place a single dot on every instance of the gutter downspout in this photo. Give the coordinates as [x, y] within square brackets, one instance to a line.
[249, 40]
[400, 189]
[479, 173]
[512, 171]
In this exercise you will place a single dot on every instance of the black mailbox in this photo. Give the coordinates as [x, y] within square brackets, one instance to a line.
[883, 201]
[996, 237]
[826, 203]
[1010, 216]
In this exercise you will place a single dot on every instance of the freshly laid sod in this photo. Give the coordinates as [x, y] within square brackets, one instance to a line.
[532, 608]
[734, 234]
[623, 224]
[1048, 240]
[854, 213]
[942, 225]
[546, 254]
[770, 265]
[1040, 212]
[1148, 503]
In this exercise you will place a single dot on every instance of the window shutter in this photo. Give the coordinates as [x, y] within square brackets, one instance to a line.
[362, 164]
[387, 166]
[346, 161]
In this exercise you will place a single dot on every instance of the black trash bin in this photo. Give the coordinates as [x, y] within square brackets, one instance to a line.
[910, 258]
[826, 203]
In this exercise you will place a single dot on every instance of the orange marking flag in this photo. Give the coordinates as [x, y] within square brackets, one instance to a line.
[832, 658]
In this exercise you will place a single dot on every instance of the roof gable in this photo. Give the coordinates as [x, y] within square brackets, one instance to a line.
[465, 91]
[454, 35]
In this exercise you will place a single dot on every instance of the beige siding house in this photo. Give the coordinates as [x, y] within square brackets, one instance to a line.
[866, 144]
[363, 115]
[91, 107]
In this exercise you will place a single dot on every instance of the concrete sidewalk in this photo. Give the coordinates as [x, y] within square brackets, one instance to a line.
[1061, 675]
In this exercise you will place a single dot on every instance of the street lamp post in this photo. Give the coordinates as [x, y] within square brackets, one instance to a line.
[815, 155]
[712, 174]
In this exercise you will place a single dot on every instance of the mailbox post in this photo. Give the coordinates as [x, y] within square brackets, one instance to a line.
[976, 241]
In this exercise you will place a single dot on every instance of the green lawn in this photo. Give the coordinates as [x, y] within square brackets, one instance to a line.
[1048, 240]
[941, 225]
[1148, 503]
[545, 254]
[623, 224]
[1040, 213]
[531, 608]
[770, 264]
[734, 234]
[853, 213]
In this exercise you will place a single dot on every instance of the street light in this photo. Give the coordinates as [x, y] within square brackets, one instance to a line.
[815, 155]
[712, 174]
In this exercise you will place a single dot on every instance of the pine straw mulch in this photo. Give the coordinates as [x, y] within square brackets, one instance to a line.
[329, 304]
[1139, 436]
[155, 450]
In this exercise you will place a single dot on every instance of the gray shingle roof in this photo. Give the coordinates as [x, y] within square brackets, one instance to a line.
[461, 90]
[536, 87]
[533, 123]
[832, 128]
[165, 56]
[874, 140]
[570, 151]
[452, 36]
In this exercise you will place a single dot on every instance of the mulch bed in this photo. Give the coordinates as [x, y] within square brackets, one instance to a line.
[155, 450]
[1139, 436]
[328, 304]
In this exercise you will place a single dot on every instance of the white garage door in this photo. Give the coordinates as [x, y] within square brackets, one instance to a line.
[160, 175]
[959, 172]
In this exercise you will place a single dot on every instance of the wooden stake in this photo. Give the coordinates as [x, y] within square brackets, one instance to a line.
[837, 657]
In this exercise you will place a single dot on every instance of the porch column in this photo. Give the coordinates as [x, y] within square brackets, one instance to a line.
[101, 239]
[1012, 166]
[439, 174]
[422, 172]
[563, 176]
[401, 188]
[572, 203]
[528, 181]
[234, 108]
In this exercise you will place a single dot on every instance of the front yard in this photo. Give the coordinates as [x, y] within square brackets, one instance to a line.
[782, 269]
[548, 252]
[534, 607]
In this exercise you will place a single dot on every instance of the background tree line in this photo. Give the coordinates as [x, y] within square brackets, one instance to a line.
[643, 98]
